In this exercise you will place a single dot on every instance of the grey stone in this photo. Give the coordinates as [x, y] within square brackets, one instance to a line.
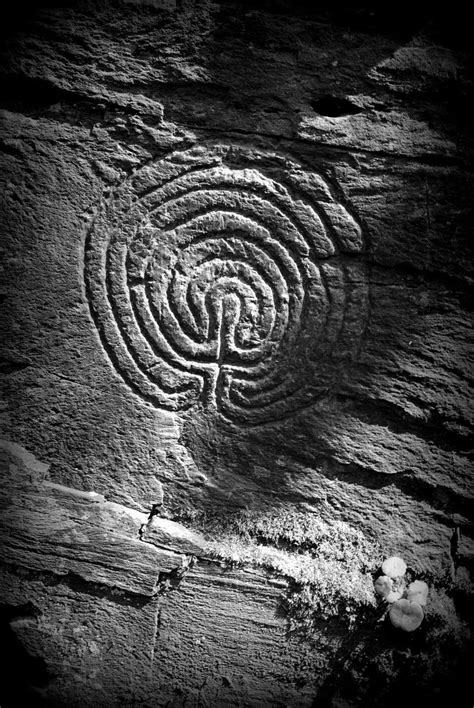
[235, 292]
[52, 528]
[169, 534]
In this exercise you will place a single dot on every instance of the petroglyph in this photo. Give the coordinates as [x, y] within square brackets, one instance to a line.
[228, 277]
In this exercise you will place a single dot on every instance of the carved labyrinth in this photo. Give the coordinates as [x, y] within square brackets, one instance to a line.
[228, 277]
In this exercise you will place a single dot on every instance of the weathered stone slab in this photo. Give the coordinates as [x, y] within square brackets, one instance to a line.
[169, 534]
[51, 528]
[224, 627]
[82, 644]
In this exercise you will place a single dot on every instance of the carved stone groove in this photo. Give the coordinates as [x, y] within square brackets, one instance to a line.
[229, 277]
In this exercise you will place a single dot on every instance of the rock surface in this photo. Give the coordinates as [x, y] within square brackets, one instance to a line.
[235, 310]
[60, 530]
[169, 534]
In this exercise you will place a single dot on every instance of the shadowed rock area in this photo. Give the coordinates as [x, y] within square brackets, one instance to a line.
[235, 353]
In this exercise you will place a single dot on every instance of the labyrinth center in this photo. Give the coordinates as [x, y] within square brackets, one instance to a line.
[227, 277]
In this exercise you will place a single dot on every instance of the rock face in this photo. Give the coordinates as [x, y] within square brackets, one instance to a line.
[236, 352]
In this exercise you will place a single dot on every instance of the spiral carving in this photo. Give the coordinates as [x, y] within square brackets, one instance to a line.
[228, 277]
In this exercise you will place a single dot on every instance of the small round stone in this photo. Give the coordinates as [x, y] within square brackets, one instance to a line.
[394, 567]
[417, 591]
[383, 586]
[406, 615]
[393, 596]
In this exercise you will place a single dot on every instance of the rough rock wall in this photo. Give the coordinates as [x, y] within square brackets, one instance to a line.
[236, 351]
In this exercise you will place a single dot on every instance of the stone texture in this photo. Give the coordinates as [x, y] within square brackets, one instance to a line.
[224, 627]
[169, 534]
[52, 528]
[95, 647]
[237, 276]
